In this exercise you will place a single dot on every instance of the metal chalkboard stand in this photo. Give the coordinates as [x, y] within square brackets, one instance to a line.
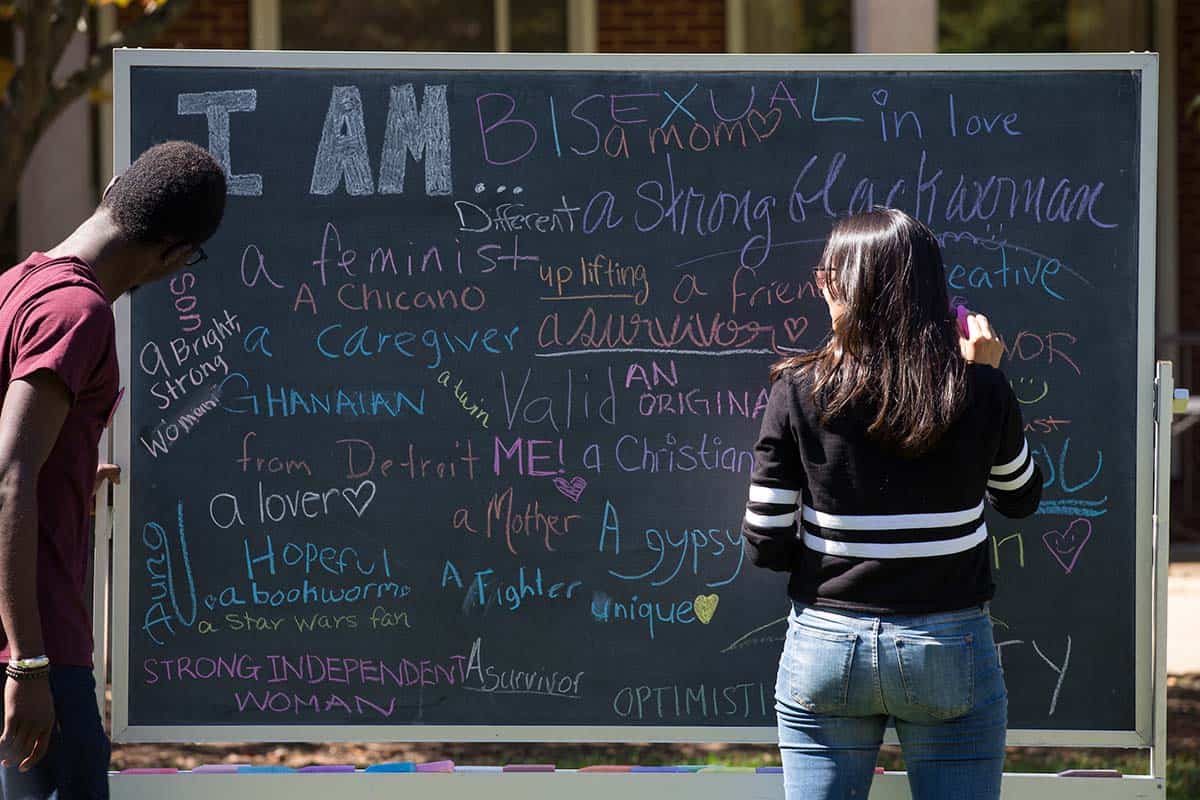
[1156, 405]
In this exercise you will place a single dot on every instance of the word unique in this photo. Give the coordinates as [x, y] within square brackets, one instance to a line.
[650, 612]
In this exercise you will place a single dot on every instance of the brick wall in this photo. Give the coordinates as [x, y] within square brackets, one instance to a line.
[660, 26]
[211, 25]
[1187, 31]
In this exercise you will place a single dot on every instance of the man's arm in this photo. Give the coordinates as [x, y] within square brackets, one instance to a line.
[35, 407]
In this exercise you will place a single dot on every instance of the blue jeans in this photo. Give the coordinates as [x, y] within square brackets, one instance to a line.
[76, 766]
[842, 675]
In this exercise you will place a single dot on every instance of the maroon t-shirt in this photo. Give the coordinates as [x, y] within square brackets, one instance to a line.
[54, 316]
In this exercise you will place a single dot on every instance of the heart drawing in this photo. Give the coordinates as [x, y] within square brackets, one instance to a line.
[767, 123]
[571, 488]
[1066, 546]
[795, 328]
[705, 606]
[355, 499]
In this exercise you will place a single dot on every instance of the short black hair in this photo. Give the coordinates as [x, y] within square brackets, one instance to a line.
[173, 192]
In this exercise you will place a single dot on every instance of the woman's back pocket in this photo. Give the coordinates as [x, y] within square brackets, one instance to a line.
[938, 673]
[818, 663]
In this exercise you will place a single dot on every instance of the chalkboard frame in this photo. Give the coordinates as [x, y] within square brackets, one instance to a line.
[1147, 685]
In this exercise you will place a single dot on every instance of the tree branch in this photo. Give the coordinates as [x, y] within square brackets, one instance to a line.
[64, 23]
[30, 81]
[142, 31]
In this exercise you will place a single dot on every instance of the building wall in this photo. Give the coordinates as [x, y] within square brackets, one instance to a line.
[212, 25]
[58, 185]
[660, 26]
[1187, 31]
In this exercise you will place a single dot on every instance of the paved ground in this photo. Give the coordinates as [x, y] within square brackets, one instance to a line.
[1183, 614]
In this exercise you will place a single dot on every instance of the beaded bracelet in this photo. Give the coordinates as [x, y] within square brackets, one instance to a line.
[27, 673]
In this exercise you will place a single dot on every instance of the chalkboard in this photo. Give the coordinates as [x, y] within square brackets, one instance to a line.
[451, 435]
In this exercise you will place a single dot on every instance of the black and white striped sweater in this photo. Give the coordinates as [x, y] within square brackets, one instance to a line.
[879, 532]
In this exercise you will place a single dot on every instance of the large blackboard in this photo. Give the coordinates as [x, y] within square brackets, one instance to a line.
[454, 426]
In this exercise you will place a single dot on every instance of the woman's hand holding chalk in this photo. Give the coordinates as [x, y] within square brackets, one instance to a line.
[977, 341]
[961, 312]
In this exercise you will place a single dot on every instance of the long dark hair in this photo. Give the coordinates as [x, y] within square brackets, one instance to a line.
[894, 351]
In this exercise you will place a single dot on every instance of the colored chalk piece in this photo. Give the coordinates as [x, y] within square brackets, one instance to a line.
[1090, 773]
[529, 768]
[217, 769]
[436, 766]
[478, 768]
[879, 770]
[328, 768]
[607, 768]
[269, 769]
[961, 313]
[770, 770]
[150, 771]
[393, 766]
[722, 768]
[689, 767]
[659, 769]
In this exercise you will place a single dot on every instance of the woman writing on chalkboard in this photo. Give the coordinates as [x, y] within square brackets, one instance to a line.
[876, 455]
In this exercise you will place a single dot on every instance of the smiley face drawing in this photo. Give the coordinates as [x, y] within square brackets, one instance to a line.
[1027, 390]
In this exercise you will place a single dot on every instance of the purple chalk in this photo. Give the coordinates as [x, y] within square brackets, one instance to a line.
[962, 313]
[770, 770]
[436, 766]
[529, 768]
[328, 768]
[150, 771]
[217, 769]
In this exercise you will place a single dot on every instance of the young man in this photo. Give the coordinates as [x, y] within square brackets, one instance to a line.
[59, 385]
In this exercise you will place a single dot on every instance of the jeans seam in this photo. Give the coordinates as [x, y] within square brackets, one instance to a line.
[875, 665]
[847, 668]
